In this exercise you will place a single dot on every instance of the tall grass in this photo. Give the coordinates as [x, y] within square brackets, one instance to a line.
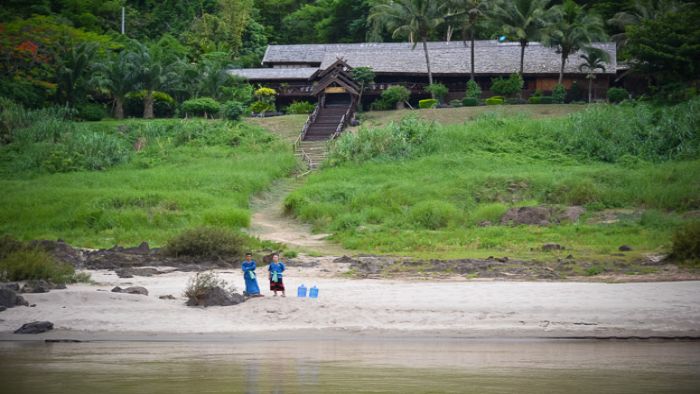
[186, 174]
[435, 193]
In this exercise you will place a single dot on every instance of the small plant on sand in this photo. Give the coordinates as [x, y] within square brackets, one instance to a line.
[212, 242]
[34, 264]
[200, 284]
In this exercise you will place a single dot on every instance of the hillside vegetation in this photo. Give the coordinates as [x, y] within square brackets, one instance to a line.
[99, 184]
[421, 188]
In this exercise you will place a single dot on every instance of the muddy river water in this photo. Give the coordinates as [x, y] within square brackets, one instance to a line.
[319, 365]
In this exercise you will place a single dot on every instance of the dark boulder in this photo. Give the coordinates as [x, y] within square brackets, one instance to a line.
[14, 286]
[552, 246]
[36, 327]
[2, 308]
[8, 297]
[167, 297]
[37, 286]
[131, 290]
[216, 296]
[624, 248]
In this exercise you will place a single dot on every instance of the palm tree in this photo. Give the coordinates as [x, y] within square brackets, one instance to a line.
[467, 13]
[72, 68]
[118, 76]
[154, 73]
[574, 29]
[593, 59]
[415, 19]
[523, 21]
[639, 11]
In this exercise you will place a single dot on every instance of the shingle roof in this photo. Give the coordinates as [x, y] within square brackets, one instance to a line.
[274, 73]
[491, 57]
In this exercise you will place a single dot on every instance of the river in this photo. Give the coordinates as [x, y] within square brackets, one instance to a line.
[355, 364]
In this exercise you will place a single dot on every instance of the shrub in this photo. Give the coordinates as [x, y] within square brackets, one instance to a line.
[488, 212]
[535, 100]
[455, 103]
[473, 90]
[559, 94]
[686, 243]
[199, 285]
[91, 112]
[300, 107]
[438, 90]
[495, 100]
[232, 110]
[427, 103]
[470, 102]
[202, 106]
[507, 87]
[382, 105]
[266, 94]
[546, 100]
[260, 107]
[163, 104]
[433, 214]
[515, 100]
[34, 264]
[617, 95]
[210, 242]
[395, 94]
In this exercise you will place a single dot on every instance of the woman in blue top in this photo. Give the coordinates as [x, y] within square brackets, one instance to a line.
[251, 282]
[276, 268]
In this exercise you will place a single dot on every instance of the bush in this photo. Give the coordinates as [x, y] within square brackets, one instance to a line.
[300, 107]
[559, 94]
[535, 100]
[492, 212]
[210, 242]
[395, 141]
[515, 100]
[617, 95]
[455, 103]
[470, 102]
[232, 110]
[507, 87]
[260, 107]
[394, 95]
[686, 243]
[427, 103]
[473, 90]
[495, 100]
[199, 285]
[546, 100]
[202, 106]
[433, 214]
[91, 112]
[34, 264]
[438, 90]
[163, 104]
[382, 105]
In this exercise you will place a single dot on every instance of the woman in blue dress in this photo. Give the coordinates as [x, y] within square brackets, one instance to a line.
[276, 268]
[251, 282]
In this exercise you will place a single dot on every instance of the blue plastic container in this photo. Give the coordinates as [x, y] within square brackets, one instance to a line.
[301, 291]
[313, 292]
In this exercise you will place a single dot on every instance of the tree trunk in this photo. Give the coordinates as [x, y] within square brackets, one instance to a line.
[118, 108]
[359, 98]
[590, 89]
[523, 44]
[561, 70]
[148, 105]
[472, 52]
[427, 63]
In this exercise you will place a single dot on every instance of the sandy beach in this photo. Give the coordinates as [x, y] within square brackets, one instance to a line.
[465, 308]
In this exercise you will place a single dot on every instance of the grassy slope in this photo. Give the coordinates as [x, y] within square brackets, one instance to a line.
[480, 169]
[162, 190]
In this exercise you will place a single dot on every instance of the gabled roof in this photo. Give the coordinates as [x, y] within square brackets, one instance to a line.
[271, 74]
[447, 58]
[337, 73]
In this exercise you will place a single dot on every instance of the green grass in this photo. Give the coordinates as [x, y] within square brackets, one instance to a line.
[428, 199]
[189, 174]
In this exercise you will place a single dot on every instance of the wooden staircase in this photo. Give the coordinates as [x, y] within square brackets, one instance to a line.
[323, 125]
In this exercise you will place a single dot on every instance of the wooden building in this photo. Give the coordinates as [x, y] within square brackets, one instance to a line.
[293, 70]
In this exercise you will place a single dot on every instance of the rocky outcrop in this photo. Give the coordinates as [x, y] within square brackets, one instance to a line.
[131, 272]
[216, 296]
[131, 290]
[366, 265]
[40, 286]
[10, 299]
[542, 215]
[36, 327]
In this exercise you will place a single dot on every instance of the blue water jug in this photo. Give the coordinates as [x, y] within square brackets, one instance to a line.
[301, 291]
[313, 292]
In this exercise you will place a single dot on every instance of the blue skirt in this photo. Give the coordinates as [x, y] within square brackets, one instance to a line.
[251, 285]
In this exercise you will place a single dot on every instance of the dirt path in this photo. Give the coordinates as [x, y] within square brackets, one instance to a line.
[269, 222]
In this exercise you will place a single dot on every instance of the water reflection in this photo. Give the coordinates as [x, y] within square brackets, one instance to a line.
[352, 365]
